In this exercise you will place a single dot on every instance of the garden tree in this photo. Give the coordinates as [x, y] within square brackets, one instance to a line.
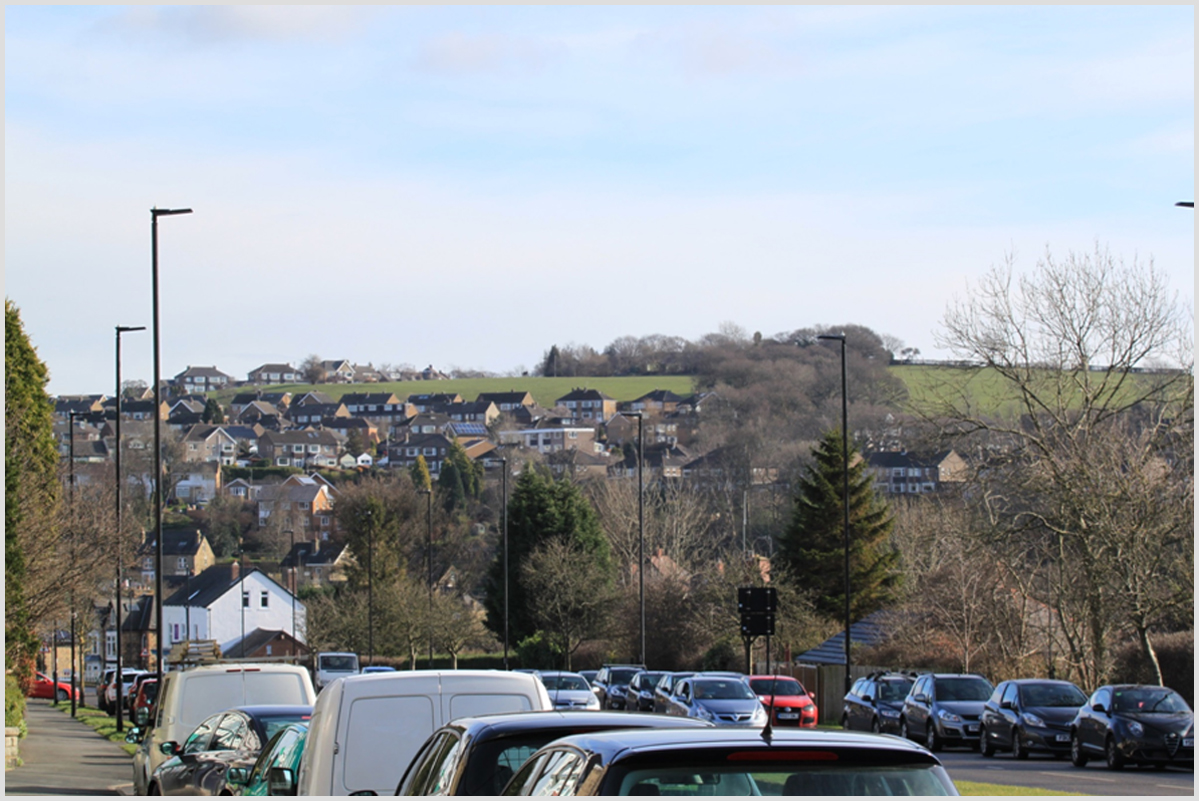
[449, 487]
[813, 546]
[356, 443]
[570, 593]
[225, 521]
[383, 522]
[312, 370]
[456, 626]
[419, 471]
[133, 389]
[677, 520]
[469, 471]
[31, 490]
[539, 509]
[213, 412]
[1063, 347]
[337, 620]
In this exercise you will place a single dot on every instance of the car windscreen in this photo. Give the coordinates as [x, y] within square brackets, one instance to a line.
[965, 688]
[776, 687]
[1149, 700]
[339, 663]
[622, 675]
[565, 683]
[785, 778]
[893, 690]
[722, 689]
[1051, 695]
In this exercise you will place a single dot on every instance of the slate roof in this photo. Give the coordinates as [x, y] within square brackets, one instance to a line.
[207, 372]
[314, 397]
[889, 459]
[207, 587]
[512, 396]
[305, 437]
[660, 396]
[583, 394]
[867, 632]
[175, 542]
[369, 398]
[255, 640]
[313, 553]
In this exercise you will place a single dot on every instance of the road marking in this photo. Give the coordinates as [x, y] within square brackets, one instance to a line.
[1175, 786]
[1079, 776]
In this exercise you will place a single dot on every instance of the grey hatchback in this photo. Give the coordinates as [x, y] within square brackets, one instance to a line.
[945, 709]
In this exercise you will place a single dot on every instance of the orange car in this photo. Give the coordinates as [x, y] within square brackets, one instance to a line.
[792, 706]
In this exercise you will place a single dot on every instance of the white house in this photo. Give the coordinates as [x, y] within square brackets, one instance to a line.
[215, 609]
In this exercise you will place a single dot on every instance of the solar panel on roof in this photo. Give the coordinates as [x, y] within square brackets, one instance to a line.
[470, 428]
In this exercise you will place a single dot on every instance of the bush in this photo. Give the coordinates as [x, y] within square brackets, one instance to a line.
[723, 656]
[1175, 654]
[539, 653]
[14, 704]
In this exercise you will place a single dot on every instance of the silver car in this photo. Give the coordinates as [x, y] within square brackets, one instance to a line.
[568, 690]
[725, 701]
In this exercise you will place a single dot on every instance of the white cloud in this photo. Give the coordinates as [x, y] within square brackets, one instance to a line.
[458, 53]
[208, 25]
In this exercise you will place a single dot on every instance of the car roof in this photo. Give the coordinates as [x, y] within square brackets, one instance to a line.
[1043, 681]
[505, 724]
[267, 710]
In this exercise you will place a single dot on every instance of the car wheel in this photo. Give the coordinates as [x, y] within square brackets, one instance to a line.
[1077, 757]
[1019, 750]
[931, 741]
[1115, 760]
[153, 790]
[61, 695]
[876, 727]
[903, 729]
[845, 722]
[985, 746]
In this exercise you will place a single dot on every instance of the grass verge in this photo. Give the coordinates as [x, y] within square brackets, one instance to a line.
[983, 788]
[104, 724]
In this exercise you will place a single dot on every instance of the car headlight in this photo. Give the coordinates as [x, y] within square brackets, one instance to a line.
[948, 717]
[1135, 729]
[593, 703]
[1032, 720]
[759, 714]
[702, 712]
[646, 694]
[888, 712]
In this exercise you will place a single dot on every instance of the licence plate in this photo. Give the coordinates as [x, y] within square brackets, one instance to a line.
[1188, 742]
[972, 729]
[1062, 738]
[788, 715]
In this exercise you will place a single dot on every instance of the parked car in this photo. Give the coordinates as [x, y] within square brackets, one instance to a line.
[945, 709]
[1137, 723]
[568, 690]
[790, 702]
[333, 665]
[228, 739]
[188, 697]
[378, 669]
[102, 690]
[1026, 715]
[136, 687]
[477, 756]
[275, 770]
[143, 703]
[43, 686]
[723, 700]
[639, 697]
[875, 702]
[612, 682]
[589, 675]
[727, 762]
[128, 677]
[365, 730]
[664, 689]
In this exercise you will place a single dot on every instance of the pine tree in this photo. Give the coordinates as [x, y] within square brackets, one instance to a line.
[449, 487]
[468, 470]
[420, 474]
[813, 546]
[539, 510]
[213, 412]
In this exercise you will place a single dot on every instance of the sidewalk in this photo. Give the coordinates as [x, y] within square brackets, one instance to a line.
[65, 757]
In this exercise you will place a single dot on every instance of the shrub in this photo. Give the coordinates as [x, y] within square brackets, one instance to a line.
[722, 656]
[539, 652]
[14, 704]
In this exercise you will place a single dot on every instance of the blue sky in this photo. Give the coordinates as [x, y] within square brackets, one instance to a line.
[465, 187]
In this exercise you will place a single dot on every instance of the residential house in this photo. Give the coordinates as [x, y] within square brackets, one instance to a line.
[578, 465]
[424, 423]
[312, 414]
[280, 400]
[86, 405]
[623, 427]
[906, 473]
[202, 379]
[587, 405]
[266, 644]
[484, 412]
[344, 425]
[185, 552]
[143, 410]
[662, 401]
[275, 374]
[246, 438]
[362, 404]
[366, 374]
[659, 460]
[427, 402]
[548, 439]
[299, 503]
[198, 482]
[209, 443]
[721, 466]
[262, 413]
[301, 448]
[224, 605]
[432, 374]
[240, 488]
[360, 462]
[315, 563]
[434, 447]
[312, 397]
[338, 371]
[507, 401]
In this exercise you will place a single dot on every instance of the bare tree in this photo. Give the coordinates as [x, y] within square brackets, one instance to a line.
[570, 595]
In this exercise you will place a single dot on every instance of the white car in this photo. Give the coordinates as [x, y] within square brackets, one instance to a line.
[568, 690]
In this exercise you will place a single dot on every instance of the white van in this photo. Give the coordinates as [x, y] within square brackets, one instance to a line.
[332, 665]
[187, 697]
[366, 729]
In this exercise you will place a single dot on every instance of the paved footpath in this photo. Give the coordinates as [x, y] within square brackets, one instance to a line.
[63, 756]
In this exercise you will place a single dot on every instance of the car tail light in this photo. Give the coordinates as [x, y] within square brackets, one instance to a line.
[782, 756]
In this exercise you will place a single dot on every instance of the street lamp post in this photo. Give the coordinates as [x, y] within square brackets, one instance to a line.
[71, 415]
[844, 488]
[154, 215]
[370, 586]
[295, 558]
[428, 493]
[504, 490]
[640, 415]
[121, 329]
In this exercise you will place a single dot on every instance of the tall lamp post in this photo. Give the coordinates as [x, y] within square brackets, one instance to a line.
[295, 558]
[121, 329]
[71, 415]
[428, 493]
[640, 415]
[370, 585]
[154, 215]
[844, 488]
[504, 490]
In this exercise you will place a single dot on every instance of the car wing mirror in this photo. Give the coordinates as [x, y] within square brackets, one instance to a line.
[1098, 708]
[170, 748]
[134, 736]
[868, 699]
[142, 716]
[237, 776]
[280, 781]
[1006, 705]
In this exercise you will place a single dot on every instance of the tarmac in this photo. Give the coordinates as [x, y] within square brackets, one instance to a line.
[63, 756]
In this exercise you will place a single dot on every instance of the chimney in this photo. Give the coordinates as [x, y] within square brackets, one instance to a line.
[235, 571]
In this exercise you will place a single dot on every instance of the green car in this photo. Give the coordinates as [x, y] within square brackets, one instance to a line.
[277, 767]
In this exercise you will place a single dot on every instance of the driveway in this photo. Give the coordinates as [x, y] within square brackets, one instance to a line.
[65, 757]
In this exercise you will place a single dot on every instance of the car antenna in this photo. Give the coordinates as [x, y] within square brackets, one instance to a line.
[768, 729]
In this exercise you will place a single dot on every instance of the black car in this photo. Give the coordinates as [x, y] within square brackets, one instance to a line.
[639, 697]
[1138, 723]
[612, 682]
[1027, 715]
[726, 762]
[874, 702]
[945, 709]
[477, 756]
[228, 739]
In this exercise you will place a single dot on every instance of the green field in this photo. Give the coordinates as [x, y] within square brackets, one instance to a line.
[544, 390]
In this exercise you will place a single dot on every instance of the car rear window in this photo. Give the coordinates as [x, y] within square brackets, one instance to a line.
[777, 687]
[785, 779]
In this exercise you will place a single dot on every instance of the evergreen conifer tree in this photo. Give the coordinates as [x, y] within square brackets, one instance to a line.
[213, 412]
[813, 546]
[420, 474]
[449, 485]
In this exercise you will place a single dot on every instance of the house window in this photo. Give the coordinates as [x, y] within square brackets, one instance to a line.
[182, 563]
[297, 449]
[314, 448]
[265, 599]
[148, 563]
[174, 632]
[324, 520]
[245, 599]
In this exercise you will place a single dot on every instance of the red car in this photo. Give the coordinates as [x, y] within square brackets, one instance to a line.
[43, 687]
[792, 705]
